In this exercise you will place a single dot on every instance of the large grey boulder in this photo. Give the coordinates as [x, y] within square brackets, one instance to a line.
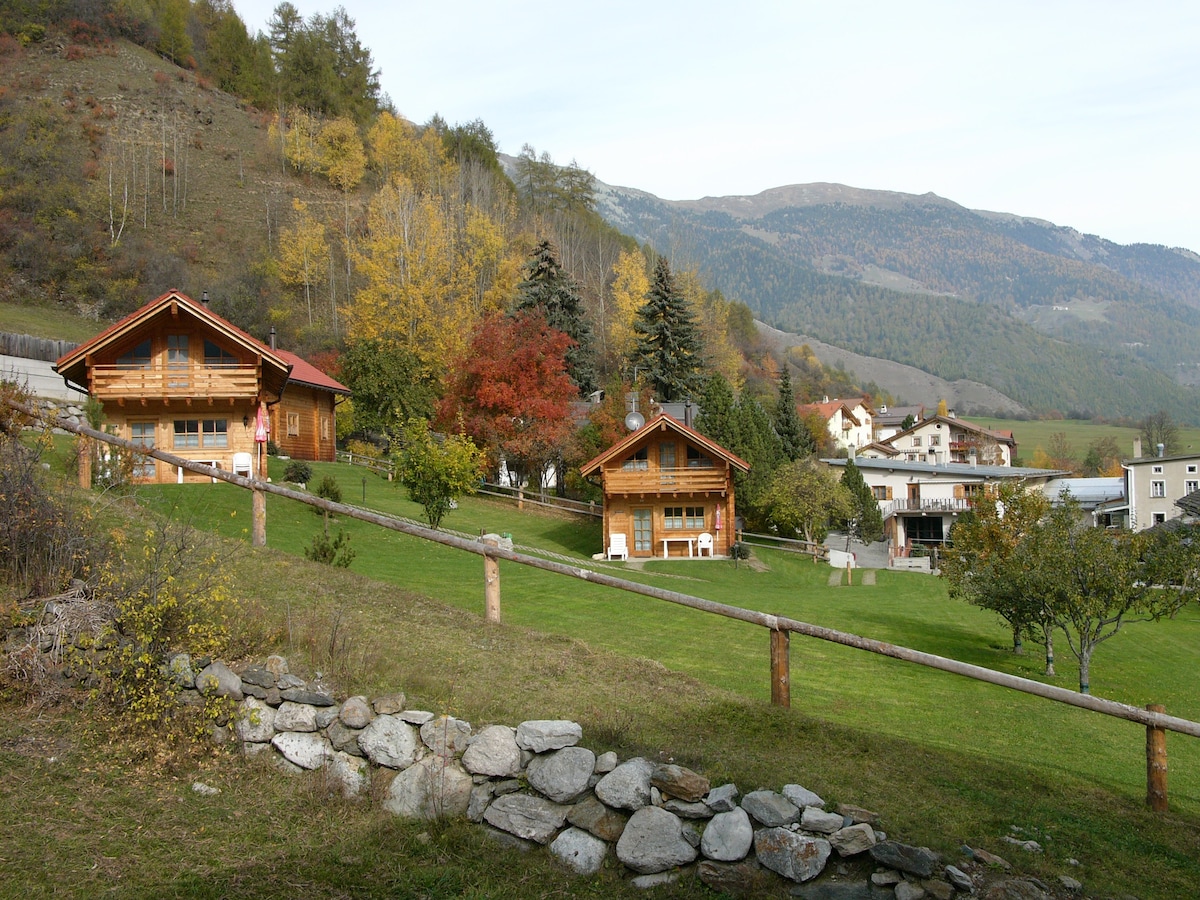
[593, 816]
[919, 861]
[853, 839]
[304, 749]
[563, 774]
[390, 742]
[349, 774]
[295, 717]
[728, 837]
[802, 796]
[432, 788]
[653, 842]
[723, 798]
[792, 855]
[813, 819]
[256, 721]
[770, 809]
[628, 785]
[446, 735]
[356, 712]
[217, 680]
[579, 851]
[493, 752]
[540, 735]
[527, 816]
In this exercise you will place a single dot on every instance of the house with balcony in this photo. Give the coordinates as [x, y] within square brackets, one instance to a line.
[920, 500]
[949, 439]
[176, 376]
[666, 487]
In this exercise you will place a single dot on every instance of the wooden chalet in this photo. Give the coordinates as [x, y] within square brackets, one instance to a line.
[665, 486]
[302, 422]
[177, 376]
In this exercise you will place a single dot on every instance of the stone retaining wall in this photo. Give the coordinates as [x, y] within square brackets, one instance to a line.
[538, 785]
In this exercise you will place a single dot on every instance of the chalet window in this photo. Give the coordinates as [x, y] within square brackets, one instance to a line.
[137, 358]
[879, 493]
[916, 440]
[697, 460]
[217, 357]
[1158, 489]
[639, 461]
[324, 428]
[1190, 487]
[142, 434]
[673, 517]
[216, 432]
[293, 424]
[187, 433]
[1191, 469]
[972, 491]
[177, 360]
[935, 440]
[666, 455]
[693, 517]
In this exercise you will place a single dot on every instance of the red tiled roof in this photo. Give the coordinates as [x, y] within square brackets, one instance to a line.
[304, 372]
[663, 419]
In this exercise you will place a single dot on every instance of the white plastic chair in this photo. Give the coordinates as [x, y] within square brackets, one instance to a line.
[704, 542]
[242, 464]
[618, 547]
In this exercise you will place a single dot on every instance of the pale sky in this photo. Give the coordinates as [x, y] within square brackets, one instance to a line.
[1086, 114]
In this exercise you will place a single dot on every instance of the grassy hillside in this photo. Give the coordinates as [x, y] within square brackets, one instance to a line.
[944, 760]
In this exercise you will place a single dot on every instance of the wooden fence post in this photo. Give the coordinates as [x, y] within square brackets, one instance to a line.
[258, 519]
[491, 585]
[781, 678]
[1156, 764]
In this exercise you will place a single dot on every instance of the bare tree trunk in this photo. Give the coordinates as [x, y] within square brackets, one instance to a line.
[1048, 631]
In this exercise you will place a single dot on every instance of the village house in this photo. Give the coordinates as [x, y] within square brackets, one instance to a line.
[850, 422]
[175, 375]
[921, 500]
[947, 438]
[1154, 484]
[668, 491]
[889, 420]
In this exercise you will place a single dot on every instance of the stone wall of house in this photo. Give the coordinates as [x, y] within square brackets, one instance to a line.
[538, 784]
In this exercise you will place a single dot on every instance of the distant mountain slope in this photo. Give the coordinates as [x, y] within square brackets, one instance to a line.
[1047, 316]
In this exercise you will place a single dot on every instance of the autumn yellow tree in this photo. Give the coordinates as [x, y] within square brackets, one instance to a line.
[712, 320]
[629, 288]
[344, 162]
[303, 252]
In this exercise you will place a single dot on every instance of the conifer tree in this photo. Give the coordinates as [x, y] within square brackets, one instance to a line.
[796, 439]
[548, 289]
[865, 506]
[668, 346]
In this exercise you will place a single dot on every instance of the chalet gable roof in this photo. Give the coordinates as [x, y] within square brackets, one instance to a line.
[305, 373]
[73, 365]
[828, 409]
[662, 422]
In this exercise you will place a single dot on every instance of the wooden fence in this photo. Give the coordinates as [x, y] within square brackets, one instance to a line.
[1153, 718]
[791, 545]
[27, 347]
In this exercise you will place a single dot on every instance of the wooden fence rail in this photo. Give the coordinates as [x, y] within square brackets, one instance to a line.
[1153, 718]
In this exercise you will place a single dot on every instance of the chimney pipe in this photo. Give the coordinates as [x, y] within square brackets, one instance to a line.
[1137, 448]
[687, 412]
[204, 298]
[272, 337]
[1161, 450]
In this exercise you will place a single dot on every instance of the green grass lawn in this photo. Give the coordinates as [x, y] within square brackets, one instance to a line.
[1146, 662]
[944, 759]
[1081, 434]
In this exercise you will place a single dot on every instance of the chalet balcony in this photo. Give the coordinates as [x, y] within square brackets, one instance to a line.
[122, 383]
[940, 505]
[664, 481]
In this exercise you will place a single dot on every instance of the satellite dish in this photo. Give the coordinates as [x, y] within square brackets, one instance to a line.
[634, 420]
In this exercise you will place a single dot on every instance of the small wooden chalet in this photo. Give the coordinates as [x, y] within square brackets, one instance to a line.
[666, 487]
[177, 376]
[302, 422]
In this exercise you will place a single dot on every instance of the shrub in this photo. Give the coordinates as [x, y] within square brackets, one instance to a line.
[335, 552]
[329, 490]
[297, 472]
[740, 550]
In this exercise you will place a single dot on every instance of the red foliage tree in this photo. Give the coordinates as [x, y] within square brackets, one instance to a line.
[512, 395]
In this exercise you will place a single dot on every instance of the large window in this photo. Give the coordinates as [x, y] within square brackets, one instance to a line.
[137, 358]
[177, 360]
[142, 434]
[676, 518]
[639, 461]
[697, 460]
[666, 455]
[197, 433]
[1158, 489]
[217, 357]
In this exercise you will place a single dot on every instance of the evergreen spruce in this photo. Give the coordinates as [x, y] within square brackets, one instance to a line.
[866, 507]
[548, 289]
[797, 440]
[668, 348]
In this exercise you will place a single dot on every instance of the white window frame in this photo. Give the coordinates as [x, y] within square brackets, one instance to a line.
[1158, 489]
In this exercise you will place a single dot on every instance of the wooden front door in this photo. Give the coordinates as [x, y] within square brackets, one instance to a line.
[643, 532]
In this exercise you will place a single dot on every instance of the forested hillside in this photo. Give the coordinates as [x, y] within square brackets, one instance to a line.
[1055, 319]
